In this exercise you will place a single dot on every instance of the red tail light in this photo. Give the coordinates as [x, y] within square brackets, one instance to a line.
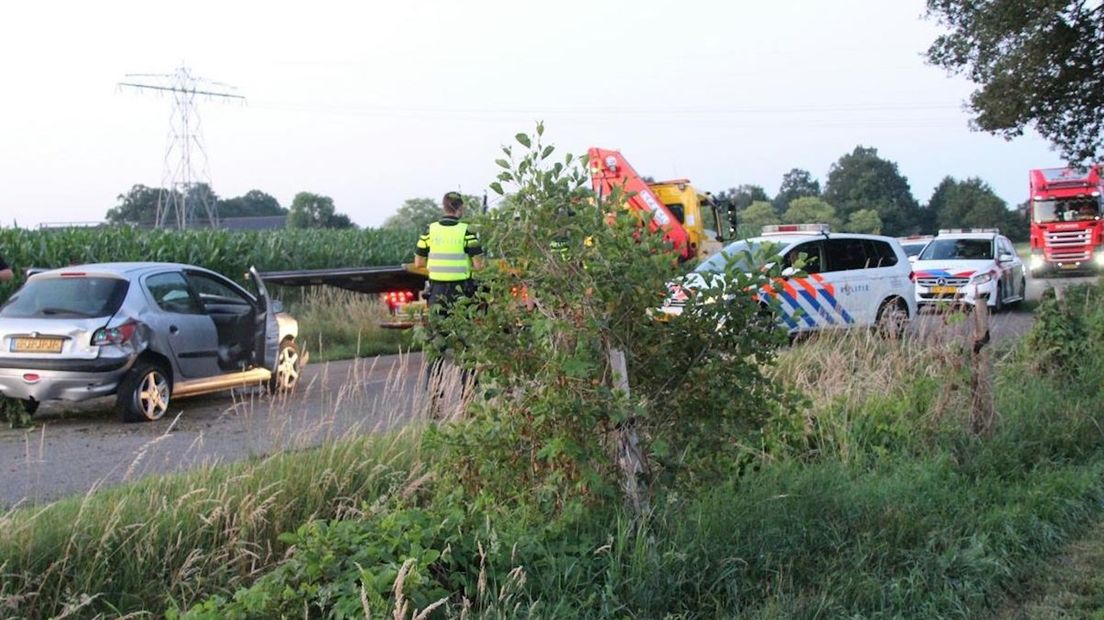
[119, 334]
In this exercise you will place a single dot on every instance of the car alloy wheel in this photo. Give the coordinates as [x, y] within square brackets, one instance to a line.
[288, 366]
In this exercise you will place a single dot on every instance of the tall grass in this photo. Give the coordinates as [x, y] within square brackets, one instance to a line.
[337, 324]
[172, 540]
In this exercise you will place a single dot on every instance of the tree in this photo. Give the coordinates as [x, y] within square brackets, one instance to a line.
[560, 424]
[796, 183]
[743, 195]
[970, 204]
[759, 214]
[417, 213]
[315, 211]
[865, 221]
[137, 206]
[863, 180]
[811, 210]
[1036, 64]
[253, 203]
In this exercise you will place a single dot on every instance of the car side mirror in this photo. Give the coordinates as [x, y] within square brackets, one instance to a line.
[1005, 258]
[913, 258]
[277, 306]
[789, 272]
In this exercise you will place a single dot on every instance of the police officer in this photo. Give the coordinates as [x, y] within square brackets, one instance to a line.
[451, 253]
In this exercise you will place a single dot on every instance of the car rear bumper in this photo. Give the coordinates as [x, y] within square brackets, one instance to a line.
[71, 380]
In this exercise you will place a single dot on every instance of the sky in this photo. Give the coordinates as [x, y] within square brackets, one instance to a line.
[372, 103]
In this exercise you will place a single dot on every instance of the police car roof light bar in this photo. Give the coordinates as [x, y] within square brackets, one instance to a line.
[955, 231]
[788, 229]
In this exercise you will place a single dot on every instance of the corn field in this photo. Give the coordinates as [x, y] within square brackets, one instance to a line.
[229, 253]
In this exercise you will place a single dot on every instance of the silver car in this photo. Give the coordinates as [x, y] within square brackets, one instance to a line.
[147, 332]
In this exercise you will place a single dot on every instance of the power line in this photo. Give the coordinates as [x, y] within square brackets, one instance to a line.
[185, 166]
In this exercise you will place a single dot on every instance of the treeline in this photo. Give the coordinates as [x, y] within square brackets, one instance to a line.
[138, 207]
[866, 193]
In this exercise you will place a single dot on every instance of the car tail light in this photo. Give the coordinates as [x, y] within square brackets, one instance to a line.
[31, 377]
[119, 334]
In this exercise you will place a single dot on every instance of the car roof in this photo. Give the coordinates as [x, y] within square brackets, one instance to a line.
[801, 237]
[969, 235]
[124, 270]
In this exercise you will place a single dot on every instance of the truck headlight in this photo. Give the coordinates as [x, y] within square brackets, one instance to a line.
[1036, 262]
[982, 278]
[1100, 259]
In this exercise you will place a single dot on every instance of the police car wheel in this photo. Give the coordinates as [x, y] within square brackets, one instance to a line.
[998, 304]
[892, 318]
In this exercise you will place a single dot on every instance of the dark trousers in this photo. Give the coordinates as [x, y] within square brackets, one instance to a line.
[442, 298]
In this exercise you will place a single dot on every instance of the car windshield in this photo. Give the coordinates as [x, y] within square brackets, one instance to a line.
[1070, 210]
[742, 254]
[66, 297]
[913, 248]
[958, 249]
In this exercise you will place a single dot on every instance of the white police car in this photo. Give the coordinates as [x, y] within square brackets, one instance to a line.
[961, 265]
[851, 279]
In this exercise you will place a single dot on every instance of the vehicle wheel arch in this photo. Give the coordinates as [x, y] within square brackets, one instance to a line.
[161, 360]
[892, 331]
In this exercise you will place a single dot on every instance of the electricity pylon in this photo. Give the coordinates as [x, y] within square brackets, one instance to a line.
[185, 168]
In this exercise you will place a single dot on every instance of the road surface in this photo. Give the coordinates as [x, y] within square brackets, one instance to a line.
[74, 448]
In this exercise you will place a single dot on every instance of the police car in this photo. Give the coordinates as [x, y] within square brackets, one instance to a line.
[914, 244]
[963, 265]
[850, 279]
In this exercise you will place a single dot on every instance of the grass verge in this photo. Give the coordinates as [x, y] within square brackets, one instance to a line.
[336, 324]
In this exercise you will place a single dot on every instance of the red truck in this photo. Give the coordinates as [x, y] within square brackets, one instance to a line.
[1067, 233]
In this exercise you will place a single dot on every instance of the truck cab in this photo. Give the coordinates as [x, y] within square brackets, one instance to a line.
[1067, 232]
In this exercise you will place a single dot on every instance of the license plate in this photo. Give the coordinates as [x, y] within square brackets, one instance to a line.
[1070, 265]
[37, 345]
[944, 290]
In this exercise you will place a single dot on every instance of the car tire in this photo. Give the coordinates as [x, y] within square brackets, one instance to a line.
[144, 393]
[289, 363]
[892, 318]
[998, 305]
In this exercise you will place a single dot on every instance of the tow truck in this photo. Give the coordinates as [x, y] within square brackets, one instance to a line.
[676, 207]
[1067, 234]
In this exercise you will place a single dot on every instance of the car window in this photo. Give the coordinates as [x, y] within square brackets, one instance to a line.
[1006, 247]
[213, 290]
[847, 254]
[958, 249]
[814, 256]
[881, 252]
[741, 253]
[84, 297]
[170, 292]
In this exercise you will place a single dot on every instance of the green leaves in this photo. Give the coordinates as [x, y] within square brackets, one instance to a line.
[523, 139]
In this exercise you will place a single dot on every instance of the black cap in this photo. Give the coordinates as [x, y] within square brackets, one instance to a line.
[454, 200]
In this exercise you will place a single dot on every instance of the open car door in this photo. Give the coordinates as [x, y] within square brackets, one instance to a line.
[267, 339]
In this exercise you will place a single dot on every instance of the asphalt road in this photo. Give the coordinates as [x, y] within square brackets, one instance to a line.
[75, 448]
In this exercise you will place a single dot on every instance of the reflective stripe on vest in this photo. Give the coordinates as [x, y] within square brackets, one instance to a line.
[447, 261]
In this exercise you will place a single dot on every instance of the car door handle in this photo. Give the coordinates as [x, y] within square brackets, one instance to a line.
[173, 329]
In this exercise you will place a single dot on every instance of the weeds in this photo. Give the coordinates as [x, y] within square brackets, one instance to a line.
[337, 324]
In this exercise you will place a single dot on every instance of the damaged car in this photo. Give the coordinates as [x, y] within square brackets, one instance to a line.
[145, 332]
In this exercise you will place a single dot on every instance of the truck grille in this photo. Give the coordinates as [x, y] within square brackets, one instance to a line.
[1068, 245]
[945, 281]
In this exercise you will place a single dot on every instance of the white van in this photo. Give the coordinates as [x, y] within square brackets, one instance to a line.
[851, 279]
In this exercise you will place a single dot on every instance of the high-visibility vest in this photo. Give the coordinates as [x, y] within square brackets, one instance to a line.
[447, 260]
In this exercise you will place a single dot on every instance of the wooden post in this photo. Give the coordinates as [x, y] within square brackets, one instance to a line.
[982, 411]
[630, 459]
